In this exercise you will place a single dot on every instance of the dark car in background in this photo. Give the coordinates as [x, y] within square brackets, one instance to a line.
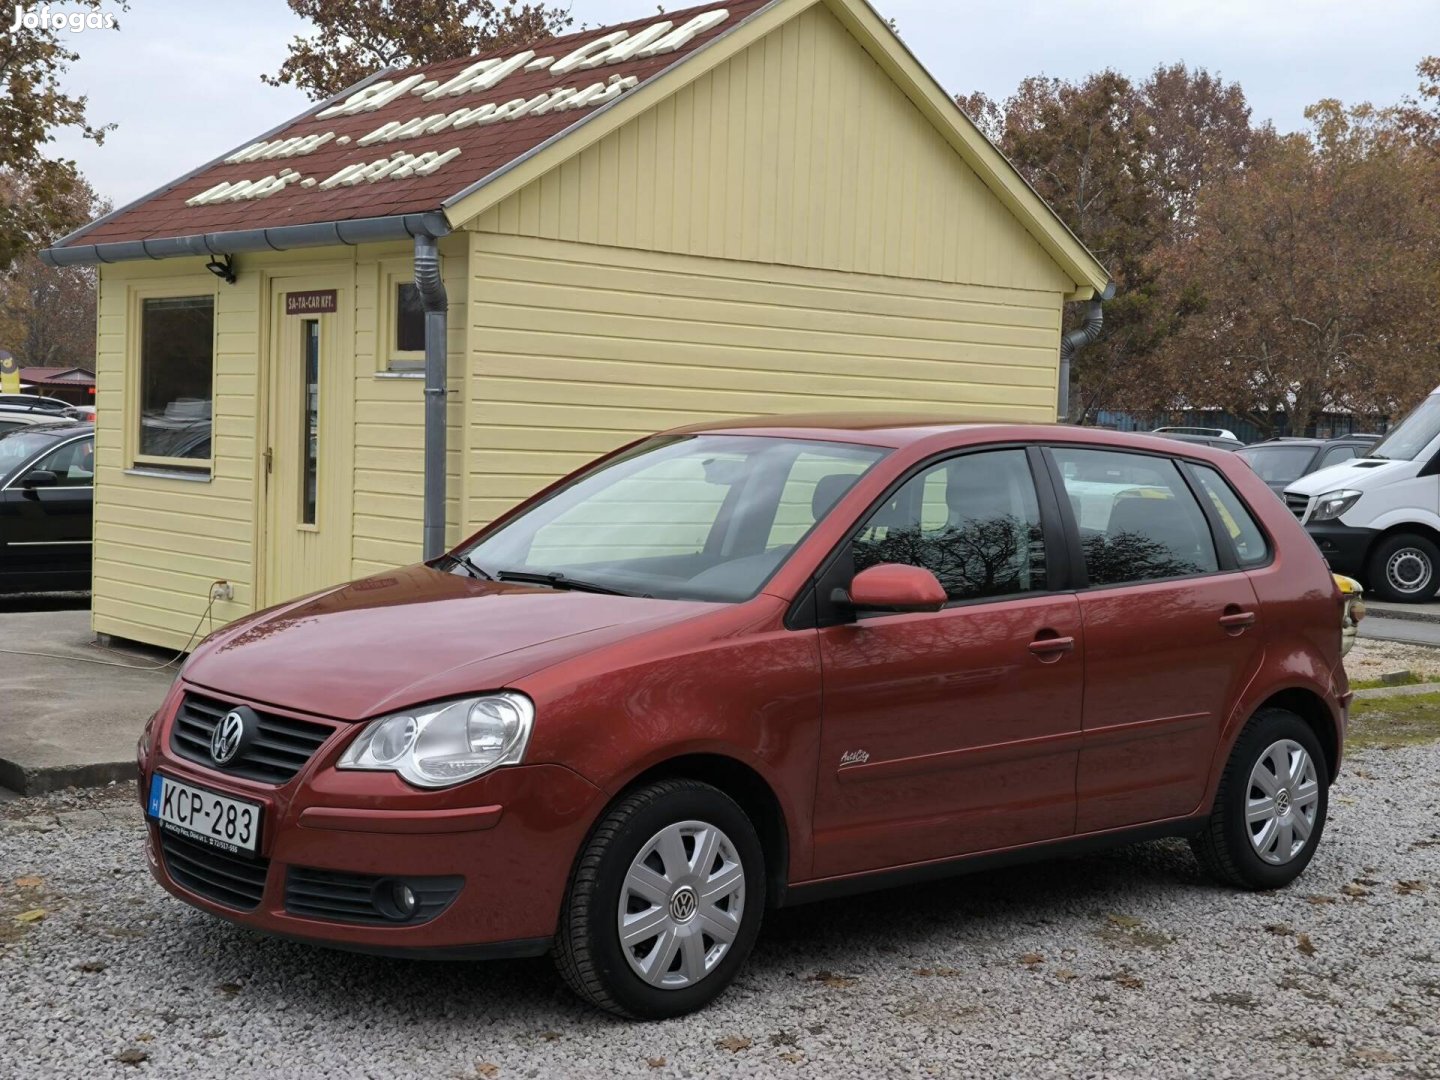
[1280, 462]
[47, 476]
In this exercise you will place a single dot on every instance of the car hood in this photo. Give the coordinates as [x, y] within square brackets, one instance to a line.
[1358, 474]
[413, 635]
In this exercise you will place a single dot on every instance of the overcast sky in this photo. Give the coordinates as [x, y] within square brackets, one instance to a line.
[181, 77]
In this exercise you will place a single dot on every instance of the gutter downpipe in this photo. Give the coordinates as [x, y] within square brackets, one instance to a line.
[434, 302]
[1087, 333]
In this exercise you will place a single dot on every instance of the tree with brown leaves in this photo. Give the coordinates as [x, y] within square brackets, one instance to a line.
[33, 63]
[355, 38]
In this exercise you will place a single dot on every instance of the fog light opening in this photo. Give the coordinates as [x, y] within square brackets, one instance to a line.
[396, 900]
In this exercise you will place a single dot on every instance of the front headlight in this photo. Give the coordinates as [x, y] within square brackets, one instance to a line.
[448, 742]
[1332, 504]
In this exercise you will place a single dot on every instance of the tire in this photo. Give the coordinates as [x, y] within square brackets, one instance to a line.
[632, 859]
[1405, 569]
[1238, 852]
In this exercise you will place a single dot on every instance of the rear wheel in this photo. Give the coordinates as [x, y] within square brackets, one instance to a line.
[1405, 568]
[1270, 809]
[665, 903]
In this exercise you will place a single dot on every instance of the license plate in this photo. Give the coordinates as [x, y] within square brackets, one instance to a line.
[229, 824]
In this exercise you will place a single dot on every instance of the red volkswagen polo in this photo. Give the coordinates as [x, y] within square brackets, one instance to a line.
[758, 663]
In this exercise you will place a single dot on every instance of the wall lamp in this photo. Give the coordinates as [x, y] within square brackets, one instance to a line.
[224, 270]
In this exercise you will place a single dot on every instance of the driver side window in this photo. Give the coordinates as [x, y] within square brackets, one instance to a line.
[972, 521]
[73, 464]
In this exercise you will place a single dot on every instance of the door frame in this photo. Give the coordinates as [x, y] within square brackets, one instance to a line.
[339, 275]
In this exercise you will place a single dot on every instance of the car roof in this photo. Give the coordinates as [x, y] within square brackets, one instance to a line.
[60, 429]
[899, 430]
[1308, 440]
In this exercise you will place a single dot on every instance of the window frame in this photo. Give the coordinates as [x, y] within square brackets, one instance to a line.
[815, 607]
[395, 272]
[168, 289]
[1228, 542]
[35, 460]
[1226, 560]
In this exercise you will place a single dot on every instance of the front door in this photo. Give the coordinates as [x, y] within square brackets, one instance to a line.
[306, 461]
[1172, 635]
[954, 732]
[45, 530]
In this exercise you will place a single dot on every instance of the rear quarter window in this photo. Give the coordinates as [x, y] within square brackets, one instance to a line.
[1251, 546]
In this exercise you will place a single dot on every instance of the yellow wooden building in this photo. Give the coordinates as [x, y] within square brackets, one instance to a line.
[766, 206]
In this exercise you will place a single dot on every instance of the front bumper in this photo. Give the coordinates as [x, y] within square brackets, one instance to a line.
[509, 837]
[1345, 547]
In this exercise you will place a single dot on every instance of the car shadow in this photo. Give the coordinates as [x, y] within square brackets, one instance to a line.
[14, 603]
[944, 918]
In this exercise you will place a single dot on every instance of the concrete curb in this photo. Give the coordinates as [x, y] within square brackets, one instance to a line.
[1408, 690]
[42, 781]
[1402, 612]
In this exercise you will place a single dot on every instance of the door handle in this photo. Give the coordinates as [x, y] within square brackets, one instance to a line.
[1051, 648]
[1237, 622]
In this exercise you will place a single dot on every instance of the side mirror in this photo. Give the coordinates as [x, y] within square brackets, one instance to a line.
[39, 478]
[896, 587]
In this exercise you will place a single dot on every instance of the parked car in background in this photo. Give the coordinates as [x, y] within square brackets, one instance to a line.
[1208, 432]
[757, 663]
[1215, 442]
[1280, 462]
[1377, 517]
[36, 403]
[9, 420]
[47, 476]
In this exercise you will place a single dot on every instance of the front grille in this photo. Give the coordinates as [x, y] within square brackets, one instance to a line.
[280, 748]
[360, 898]
[1298, 504]
[232, 880]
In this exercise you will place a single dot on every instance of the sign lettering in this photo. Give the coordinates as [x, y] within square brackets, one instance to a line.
[312, 302]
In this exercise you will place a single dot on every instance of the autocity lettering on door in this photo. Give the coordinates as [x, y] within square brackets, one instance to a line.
[616, 47]
[314, 302]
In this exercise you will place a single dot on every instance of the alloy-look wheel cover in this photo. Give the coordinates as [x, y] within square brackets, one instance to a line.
[1282, 802]
[681, 904]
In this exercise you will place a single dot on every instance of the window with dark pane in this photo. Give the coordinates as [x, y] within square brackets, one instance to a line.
[177, 367]
[310, 430]
[409, 319]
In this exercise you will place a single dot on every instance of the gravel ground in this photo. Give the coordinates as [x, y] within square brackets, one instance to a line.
[1370, 659]
[1121, 964]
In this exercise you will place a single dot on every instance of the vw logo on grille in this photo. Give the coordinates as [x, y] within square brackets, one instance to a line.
[229, 736]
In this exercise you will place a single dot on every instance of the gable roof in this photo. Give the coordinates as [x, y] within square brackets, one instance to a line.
[426, 149]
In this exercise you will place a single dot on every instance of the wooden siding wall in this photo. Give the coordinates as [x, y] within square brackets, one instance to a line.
[576, 349]
[159, 542]
[798, 151]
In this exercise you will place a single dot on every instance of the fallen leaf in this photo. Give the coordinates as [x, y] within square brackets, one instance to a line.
[550, 1036]
[1305, 945]
[1409, 888]
[90, 967]
[1321, 899]
[1370, 882]
[655, 1063]
[1066, 974]
[834, 979]
[1129, 981]
[231, 988]
[1030, 959]
[1354, 890]
[794, 1057]
[29, 881]
[145, 1036]
[1124, 922]
[734, 1043]
[487, 1069]
[947, 972]
[132, 1057]
[1279, 929]
[34, 915]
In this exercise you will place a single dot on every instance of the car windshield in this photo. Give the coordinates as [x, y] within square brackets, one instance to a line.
[19, 445]
[1278, 464]
[1411, 435]
[703, 517]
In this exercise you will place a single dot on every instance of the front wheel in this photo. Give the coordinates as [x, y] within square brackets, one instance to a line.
[1270, 809]
[1405, 568]
[665, 902]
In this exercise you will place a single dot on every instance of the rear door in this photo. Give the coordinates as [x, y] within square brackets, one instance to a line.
[1172, 633]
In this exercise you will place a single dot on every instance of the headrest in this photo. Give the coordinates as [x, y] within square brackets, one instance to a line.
[829, 491]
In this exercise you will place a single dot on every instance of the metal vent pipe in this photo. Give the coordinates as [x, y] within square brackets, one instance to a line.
[435, 303]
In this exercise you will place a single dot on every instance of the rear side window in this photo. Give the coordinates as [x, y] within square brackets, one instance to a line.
[1138, 520]
[972, 521]
[1251, 547]
[1337, 454]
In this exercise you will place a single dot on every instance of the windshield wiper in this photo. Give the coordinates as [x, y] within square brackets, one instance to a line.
[556, 580]
[474, 570]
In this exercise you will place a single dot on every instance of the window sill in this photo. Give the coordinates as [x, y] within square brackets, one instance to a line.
[194, 477]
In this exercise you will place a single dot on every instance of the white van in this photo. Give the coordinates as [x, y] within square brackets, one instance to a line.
[1377, 517]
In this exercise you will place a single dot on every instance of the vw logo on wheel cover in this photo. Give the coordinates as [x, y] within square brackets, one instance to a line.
[683, 904]
[229, 736]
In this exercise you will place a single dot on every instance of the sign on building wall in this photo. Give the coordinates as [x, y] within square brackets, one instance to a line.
[312, 302]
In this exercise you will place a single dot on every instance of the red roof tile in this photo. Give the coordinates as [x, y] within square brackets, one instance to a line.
[483, 149]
